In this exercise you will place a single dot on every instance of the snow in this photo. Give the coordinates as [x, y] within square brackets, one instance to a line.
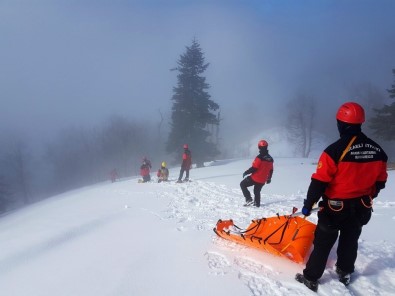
[128, 238]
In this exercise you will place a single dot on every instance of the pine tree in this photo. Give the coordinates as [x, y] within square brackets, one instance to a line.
[192, 110]
[383, 124]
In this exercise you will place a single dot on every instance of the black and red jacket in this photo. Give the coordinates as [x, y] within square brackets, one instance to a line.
[361, 172]
[186, 159]
[262, 168]
[145, 169]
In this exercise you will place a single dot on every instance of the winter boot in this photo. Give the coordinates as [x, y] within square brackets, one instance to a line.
[344, 277]
[249, 203]
[312, 285]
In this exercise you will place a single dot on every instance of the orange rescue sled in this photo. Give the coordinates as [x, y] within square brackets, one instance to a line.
[289, 236]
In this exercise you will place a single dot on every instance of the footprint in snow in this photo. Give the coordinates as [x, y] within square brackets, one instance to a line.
[218, 263]
[248, 265]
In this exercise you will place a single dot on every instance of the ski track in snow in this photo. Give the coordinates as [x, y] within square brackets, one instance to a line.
[198, 205]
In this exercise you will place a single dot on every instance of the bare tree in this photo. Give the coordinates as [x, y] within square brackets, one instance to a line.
[369, 95]
[17, 163]
[75, 159]
[160, 123]
[5, 195]
[300, 118]
[125, 142]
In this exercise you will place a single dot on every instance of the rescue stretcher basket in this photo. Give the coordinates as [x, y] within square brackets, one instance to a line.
[289, 236]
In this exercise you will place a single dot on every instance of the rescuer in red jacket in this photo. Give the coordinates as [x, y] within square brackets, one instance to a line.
[186, 164]
[261, 172]
[145, 170]
[350, 174]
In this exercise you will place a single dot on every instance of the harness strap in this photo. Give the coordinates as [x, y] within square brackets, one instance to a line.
[368, 206]
[347, 148]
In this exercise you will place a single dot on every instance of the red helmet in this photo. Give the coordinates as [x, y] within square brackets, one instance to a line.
[262, 143]
[351, 112]
[185, 146]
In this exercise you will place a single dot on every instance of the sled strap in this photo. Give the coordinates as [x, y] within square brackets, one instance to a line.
[236, 226]
[285, 224]
[347, 148]
[256, 226]
[295, 234]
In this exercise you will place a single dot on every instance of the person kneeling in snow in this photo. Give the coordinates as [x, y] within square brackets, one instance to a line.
[261, 172]
[145, 170]
[163, 173]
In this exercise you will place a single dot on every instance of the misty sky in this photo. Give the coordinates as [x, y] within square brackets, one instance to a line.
[77, 63]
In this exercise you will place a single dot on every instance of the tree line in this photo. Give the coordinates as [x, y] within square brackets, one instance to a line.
[301, 116]
[75, 157]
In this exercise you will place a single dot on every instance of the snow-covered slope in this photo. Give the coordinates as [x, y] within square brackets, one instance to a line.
[128, 238]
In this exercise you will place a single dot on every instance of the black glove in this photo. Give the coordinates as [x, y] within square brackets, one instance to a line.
[245, 174]
[268, 181]
[376, 193]
[379, 185]
[306, 211]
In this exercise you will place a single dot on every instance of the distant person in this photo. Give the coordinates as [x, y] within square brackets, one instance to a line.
[163, 173]
[114, 175]
[186, 164]
[145, 170]
[147, 162]
[260, 173]
[350, 174]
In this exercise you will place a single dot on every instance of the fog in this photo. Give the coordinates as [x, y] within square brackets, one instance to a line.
[78, 63]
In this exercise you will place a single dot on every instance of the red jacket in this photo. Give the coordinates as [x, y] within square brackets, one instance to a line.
[144, 170]
[362, 171]
[186, 160]
[263, 165]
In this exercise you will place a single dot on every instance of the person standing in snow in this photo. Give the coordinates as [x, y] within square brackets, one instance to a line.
[113, 175]
[260, 173]
[163, 173]
[350, 174]
[186, 164]
[145, 170]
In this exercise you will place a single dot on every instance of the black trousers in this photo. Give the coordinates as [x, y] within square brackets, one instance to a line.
[182, 170]
[147, 178]
[345, 225]
[247, 182]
